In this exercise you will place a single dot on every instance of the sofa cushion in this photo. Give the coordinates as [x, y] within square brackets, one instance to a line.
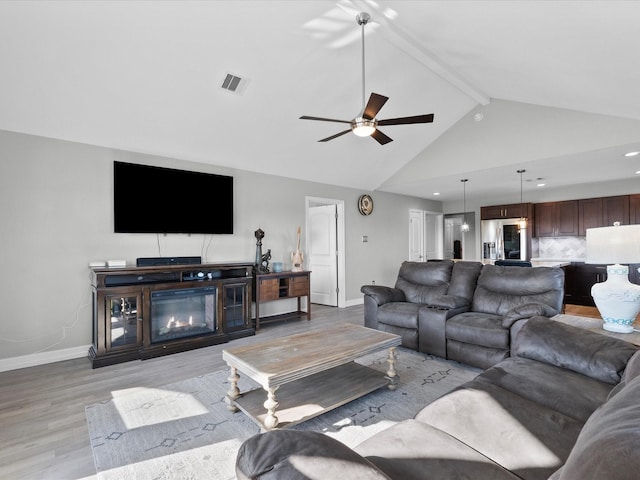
[422, 282]
[548, 385]
[297, 455]
[414, 450]
[525, 437]
[475, 355]
[464, 278]
[478, 329]
[589, 353]
[608, 446]
[501, 289]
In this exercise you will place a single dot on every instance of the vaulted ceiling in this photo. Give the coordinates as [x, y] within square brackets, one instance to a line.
[553, 87]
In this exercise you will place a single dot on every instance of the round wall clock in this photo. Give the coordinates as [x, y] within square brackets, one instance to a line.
[365, 204]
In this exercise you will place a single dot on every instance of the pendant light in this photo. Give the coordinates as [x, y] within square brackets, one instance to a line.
[522, 224]
[464, 228]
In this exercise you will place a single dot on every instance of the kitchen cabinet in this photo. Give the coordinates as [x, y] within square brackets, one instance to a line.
[615, 209]
[578, 280]
[634, 209]
[580, 277]
[556, 219]
[589, 214]
[514, 210]
[602, 212]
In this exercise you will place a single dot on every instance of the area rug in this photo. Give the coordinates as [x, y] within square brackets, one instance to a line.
[185, 431]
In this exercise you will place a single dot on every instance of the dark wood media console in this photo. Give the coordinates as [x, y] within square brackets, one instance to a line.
[145, 312]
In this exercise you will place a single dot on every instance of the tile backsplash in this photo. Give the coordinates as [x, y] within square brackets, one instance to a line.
[560, 247]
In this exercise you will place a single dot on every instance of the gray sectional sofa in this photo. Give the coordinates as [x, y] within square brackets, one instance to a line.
[462, 311]
[565, 405]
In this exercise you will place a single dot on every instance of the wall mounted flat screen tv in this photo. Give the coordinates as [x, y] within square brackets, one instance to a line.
[148, 199]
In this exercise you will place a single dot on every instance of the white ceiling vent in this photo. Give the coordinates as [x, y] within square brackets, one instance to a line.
[234, 83]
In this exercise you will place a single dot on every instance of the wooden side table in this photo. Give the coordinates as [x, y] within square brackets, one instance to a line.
[278, 286]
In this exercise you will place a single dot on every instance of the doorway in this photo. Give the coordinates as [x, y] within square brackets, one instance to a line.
[425, 235]
[325, 241]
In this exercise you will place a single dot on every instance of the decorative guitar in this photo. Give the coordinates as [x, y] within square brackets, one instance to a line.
[297, 257]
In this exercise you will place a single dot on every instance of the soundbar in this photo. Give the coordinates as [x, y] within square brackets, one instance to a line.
[160, 261]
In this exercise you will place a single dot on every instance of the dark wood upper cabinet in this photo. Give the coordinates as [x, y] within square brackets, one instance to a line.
[634, 209]
[514, 210]
[556, 219]
[615, 209]
[603, 212]
[590, 214]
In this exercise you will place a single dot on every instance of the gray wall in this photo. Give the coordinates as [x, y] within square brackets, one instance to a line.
[56, 217]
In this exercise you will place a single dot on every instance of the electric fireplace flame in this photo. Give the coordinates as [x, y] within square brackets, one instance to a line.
[182, 313]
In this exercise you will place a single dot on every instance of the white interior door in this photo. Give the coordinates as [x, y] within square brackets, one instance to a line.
[433, 235]
[416, 236]
[322, 250]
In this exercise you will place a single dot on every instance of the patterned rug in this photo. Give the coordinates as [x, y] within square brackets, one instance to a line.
[185, 431]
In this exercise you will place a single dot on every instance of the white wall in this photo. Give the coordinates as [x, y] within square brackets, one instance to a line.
[56, 216]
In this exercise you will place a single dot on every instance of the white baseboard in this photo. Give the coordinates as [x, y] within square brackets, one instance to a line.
[42, 358]
[354, 302]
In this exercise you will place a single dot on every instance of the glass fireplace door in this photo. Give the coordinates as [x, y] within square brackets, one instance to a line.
[182, 313]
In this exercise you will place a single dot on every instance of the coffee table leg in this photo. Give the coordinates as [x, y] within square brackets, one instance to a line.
[271, 421]
[233, 391]
[392, 375]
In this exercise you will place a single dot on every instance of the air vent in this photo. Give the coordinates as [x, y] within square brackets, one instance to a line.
[234, 83]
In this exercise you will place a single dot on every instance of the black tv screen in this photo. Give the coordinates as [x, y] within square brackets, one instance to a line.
[149, 199]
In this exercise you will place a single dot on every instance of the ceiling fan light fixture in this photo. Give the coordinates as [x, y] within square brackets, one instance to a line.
[363, 127]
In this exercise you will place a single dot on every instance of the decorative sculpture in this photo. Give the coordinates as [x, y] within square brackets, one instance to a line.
[261, 263]
[297, 257]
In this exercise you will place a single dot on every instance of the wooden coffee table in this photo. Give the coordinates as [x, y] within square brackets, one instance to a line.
[312, 373]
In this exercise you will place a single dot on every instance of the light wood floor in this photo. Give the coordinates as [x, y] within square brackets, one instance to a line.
[43, 430]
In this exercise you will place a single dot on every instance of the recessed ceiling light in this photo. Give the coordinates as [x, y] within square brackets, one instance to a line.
[541, 185]
[638, 172]
[631, 154]
[436, 194]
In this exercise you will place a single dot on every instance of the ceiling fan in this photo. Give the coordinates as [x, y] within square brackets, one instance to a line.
[366, 124]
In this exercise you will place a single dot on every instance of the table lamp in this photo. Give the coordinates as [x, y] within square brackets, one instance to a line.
[617, 299]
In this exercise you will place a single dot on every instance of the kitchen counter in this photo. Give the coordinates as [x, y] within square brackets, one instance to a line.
[550, 263]
[539, 262]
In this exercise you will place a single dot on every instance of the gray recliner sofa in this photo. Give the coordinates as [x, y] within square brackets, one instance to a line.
[564, 406]
[468, 316]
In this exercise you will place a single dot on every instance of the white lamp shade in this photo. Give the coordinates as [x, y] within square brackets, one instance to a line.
[613, 245]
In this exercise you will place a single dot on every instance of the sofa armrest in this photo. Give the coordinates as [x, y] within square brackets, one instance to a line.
[382, 294]
[301, 455]
[527, 310]
[449, 302]
[432, 329]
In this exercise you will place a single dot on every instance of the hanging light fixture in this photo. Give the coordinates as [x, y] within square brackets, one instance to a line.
[465, 226]
[522, 224]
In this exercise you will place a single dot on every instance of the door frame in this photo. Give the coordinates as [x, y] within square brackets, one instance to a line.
[436, 237]
[340, 232]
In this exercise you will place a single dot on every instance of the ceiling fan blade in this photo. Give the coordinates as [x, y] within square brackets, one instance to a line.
[380, 137]
[407, 120]
[374, 105]
[334, 136]
[306, 117]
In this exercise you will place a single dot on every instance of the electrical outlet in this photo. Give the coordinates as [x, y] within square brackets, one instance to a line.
[373, 282]
[365, 238]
